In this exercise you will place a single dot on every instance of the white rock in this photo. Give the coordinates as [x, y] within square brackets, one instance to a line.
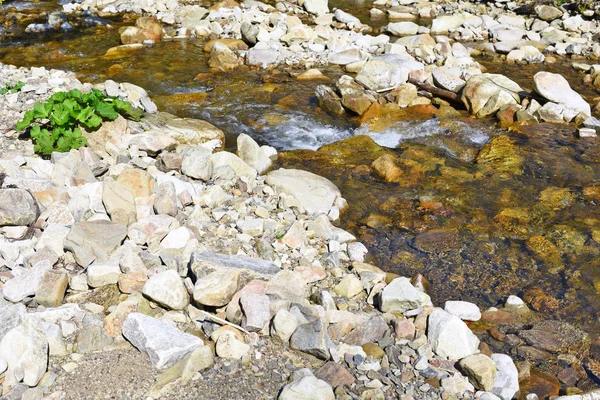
[284, 325]
[163, 343]
[506, 384]
[25, 349]
[449, 336]
[103, 273]
[401, 296]
[307, 388]
[176, 239]
[254, 155]
[463, 310]
[167, 289]
[228, 346]
[556, 89]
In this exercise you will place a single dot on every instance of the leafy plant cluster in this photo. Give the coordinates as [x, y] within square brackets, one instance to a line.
[55, 124]
[9, 87]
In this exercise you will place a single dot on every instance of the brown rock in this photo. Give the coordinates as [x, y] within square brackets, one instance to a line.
[146, 28]
[437, 241]
[499, 317]
[404, 328]
[139, 182]
[558, 337]
[373, 350]
[539, 300]
[133, 282]
[370, 331]
[543, 384]
[232, 44]
[334, 374]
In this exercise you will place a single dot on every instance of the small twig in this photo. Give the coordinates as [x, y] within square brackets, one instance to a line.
[222, 321]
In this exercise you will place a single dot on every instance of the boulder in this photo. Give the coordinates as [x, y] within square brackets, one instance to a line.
[401, 296]
[481, 369]
[463, 310]
[387, 72]
[167, 289]
[485, 94]
[315, 193]
[555, 88]
[254, 155]
[506, 383]
[25, 349]
[162, 342]
[449, 336]
[94, 240]
[17, 207]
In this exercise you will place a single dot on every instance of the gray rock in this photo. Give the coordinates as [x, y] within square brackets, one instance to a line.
[17, 207]
[262, 57]
[449, 336]
[197, 164]
[11, 316]
[387, 72]
[368, 332]
[307, 388]
[329, 100]
[230, 160]
[401, 296]
[346, 18]
[312, 338]
[25, 349]
[315, 193]
[165, 200]
[96, 240]
[249, 32]
[256, 311]
[27, 283]
[202, 263]
[163, 343]
[345, 57]
[555, 88]
[92, 338]
[167, 289]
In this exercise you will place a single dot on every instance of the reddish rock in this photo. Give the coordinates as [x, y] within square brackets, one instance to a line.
[404, 328]
[334, 374]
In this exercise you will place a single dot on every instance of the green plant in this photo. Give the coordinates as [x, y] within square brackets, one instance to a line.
[55, 124]
[9, 87]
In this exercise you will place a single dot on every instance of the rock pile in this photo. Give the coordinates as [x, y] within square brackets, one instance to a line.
[190, 254]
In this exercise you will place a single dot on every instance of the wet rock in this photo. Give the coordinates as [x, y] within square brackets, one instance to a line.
[315, 193]
[387, 72]
[307, 388]
[485, 94]
[164, 344]
[558, 337]
[312, 338]
[17, 207]
[25, 349]
[167, 289]
[501, 154]
[146, 28]
[437, 241]
[329, 100]
[223, 59]
[449, 336]
[463, 310]
[555, 88]
[481, 369]
[94, 240]
[401, 296]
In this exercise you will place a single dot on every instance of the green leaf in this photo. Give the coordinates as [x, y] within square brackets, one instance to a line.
[58, 97]
[93, 122]
[26, 121]
[106, 110]
[75, 94]
[84, 114]
[60, 115]
[42, 110]
[4, 90]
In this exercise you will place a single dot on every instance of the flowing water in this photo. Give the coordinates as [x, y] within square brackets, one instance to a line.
[523, 219]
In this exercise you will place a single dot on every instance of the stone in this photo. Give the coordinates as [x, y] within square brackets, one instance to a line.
[557, 337]
[481, 369]
[315, 193]
[463, 310]
[103, 273]
[387, 72]
[288, 285]
[447, 80]
[27, 283]
[202, 263]
[555, 88]
[485, 94]
[152, 229]
[177, 238]
[403, 28]
[94, 240]
[404, 328]
[167, 289]
[284, 325]
[329, 100]
[506, 383]
[228, 346]
[92, 338]
[348, 287]
[146, 28]
[367, 332]
[17, 207]
[316, 7]
[307, 388]
[335, 374]
[165, 199]
[223, 59]
[256, 311]
[312, 338]
[547, 13]
[116, 196]
[586, 132]
[254, 155]
[25, 349]
[196, 164]
[138, 181]
[52, 288]
[262, 57]
[217, 288]
[11, 316]
[242, 170]
[449, 336]
[164, 344]
[401, 296]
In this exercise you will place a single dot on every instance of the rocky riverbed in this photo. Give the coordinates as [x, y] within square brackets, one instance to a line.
[154, 264]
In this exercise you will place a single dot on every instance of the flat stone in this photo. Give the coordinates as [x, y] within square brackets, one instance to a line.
[556, 88]
[463, 310]
[387, 72]
[92, 338]
[94, 241]
[167, 289]
[557, 337]
[205, 262]
[163, 343]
